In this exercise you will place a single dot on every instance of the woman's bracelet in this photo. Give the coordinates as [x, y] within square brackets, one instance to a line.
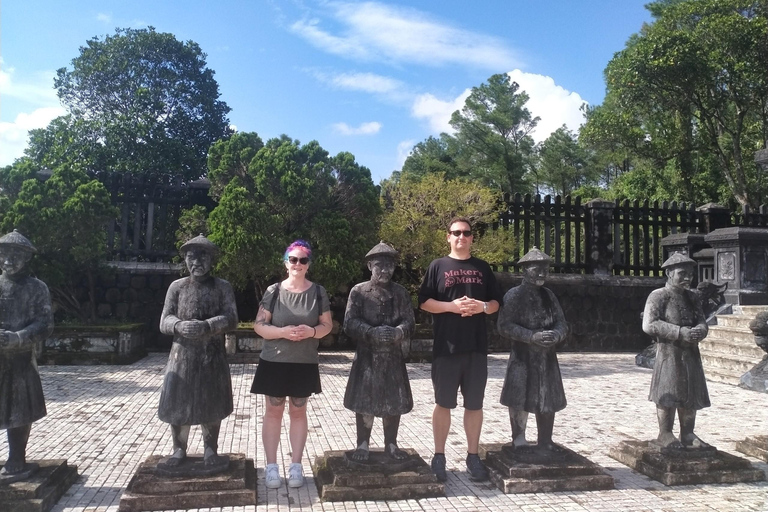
[314, 332]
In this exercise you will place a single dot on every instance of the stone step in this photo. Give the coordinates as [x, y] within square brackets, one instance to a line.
[727, 346]
[740, 321]
[730, 362]
[751, 311]
[719, 375]
[733, 334]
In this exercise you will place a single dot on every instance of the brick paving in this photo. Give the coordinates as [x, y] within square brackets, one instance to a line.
[103, 419]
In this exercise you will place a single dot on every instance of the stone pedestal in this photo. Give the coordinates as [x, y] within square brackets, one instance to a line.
[150, 489]
[756, 379]
[756, 447]
[41, 491]
[741, 260]
[340, 479]
[685, 466]
[529, 469]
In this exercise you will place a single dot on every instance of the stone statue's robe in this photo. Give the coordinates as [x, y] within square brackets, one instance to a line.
[678, 376]
[197, 388]
[378, 381]
[25, 308]
[533, 382]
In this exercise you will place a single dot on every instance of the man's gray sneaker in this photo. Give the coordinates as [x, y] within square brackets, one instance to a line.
[476, 469]
[438, 467]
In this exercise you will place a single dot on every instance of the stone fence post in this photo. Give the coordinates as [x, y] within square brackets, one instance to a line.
[599, 232]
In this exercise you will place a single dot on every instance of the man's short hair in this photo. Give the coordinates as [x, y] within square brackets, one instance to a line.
[458, 219]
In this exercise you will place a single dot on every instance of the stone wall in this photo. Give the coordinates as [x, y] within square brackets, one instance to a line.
[603, 312]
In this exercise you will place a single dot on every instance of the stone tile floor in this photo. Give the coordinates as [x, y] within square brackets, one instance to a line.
[103, 419]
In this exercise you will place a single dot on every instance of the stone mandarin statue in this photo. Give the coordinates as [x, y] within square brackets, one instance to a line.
[26, 319]
[532, 318]
[674, 317]
[380, 319]
[197, 389]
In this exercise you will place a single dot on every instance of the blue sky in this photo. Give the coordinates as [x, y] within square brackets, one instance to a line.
[371, 78]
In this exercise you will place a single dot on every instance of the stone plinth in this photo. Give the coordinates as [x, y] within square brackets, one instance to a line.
[756, 379]
[338, 479]
[150, 490]
[529, 469]
[756, 447]
[681, 466]
[41, 491]
[741, 260]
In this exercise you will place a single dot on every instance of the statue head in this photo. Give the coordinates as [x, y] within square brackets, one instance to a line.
[15, 251]
[535, 267]
[381, 263]
[199, 254]
[680, 270]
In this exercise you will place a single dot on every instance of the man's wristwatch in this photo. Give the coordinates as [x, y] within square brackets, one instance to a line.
[485, 307]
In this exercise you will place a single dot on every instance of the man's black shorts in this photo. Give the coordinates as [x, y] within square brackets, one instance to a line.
[468, 372]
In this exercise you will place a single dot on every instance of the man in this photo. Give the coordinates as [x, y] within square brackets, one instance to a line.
[197, 389]
[533, 319]
[26, 319]
[380, 319]
[459, 290]
[674, 317]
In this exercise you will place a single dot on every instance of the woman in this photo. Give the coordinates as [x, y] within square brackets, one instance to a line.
[293, 315]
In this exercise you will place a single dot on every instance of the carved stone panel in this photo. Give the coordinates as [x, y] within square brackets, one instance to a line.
[726, 265]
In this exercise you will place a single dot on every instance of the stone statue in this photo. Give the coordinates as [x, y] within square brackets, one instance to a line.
[26, 319]
[380, 319]
[197, 389]
[674, 317]
[532, 318]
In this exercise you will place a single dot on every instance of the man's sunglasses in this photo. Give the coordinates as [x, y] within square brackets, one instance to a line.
[294, 260]
[459, 232]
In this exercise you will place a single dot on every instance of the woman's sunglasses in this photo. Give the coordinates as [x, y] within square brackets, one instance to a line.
[294, 260]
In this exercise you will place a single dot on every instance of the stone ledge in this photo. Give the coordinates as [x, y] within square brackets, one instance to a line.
[42, 490]
[337, 481]
[527, 470]
[685, 466]
[149, 491]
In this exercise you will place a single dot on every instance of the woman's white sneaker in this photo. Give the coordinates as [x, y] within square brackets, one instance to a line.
[295, 475]
[272, 476]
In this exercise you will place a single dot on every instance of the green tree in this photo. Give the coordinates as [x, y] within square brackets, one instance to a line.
[693, 83]
[493, 135]
[140, 101]
[64, 217]
[563, 164]
[432, 156]
[415, 222]
[288, 191]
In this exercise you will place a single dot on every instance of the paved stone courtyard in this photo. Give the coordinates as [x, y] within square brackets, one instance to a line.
[103, 419]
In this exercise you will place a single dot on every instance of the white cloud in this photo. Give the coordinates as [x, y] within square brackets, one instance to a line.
[37, 89]
[436, 111]
[555, 105]
[552, 103]
[367, 82]
[104, 18]
[369, 128]
[375, 31]
[13, 135]
[404, 149]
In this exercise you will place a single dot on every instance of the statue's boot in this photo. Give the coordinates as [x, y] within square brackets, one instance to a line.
[211, 442]
[687, 425]
[391, 427]
[545, 423]
[17, 449]
[518, 421]
[364, 424]
[180, 435]
[666, 417]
